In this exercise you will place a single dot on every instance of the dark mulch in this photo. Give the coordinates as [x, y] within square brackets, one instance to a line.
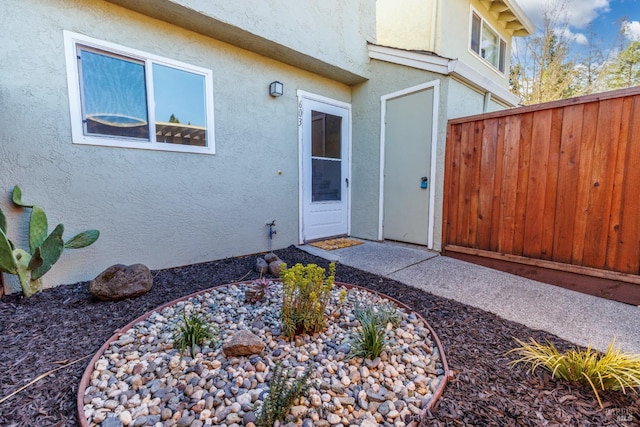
[64, 324]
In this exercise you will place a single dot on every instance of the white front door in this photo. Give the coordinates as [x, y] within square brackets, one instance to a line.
[325, 145]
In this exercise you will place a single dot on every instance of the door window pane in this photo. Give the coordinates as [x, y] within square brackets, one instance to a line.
[114, 100]
[180, 106]
[326, 180]
[326, 136]
[326, 164]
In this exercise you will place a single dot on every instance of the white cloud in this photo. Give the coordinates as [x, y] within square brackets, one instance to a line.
[632, 30]
[579, 12]
[576, 37]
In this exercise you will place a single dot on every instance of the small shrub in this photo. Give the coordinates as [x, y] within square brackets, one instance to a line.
[258, 289]
[193, 332]
[370, 340]
[282, 394]
[612, 370]
[306, 292]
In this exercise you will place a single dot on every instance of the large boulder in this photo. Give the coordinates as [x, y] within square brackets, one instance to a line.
[243, 343]
[121, 281]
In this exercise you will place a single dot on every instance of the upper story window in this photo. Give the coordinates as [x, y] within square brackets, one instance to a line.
[487, 43]
[126, 98]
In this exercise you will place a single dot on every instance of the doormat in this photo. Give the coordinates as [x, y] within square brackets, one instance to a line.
[339, 243]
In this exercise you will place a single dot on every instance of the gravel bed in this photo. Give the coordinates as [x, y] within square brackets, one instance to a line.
[141, 379]
[65, 324]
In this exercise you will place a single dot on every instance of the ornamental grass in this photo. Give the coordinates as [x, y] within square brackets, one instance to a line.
[192, 333]
[612, 370]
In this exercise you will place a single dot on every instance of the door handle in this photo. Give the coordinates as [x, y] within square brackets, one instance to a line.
[347, 181]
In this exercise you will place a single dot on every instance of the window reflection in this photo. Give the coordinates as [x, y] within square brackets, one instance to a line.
[180, 106]
[114, 97]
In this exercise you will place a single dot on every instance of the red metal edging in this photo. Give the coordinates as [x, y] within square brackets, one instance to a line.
[86, 376]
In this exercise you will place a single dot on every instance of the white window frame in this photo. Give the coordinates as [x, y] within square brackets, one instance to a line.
[501, 40]
[72, 40]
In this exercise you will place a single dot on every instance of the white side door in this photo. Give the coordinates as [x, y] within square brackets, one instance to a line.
[325, 166]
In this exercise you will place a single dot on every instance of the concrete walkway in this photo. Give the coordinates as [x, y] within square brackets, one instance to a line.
[579, 318]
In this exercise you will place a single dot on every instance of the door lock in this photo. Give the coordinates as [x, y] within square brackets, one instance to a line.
[424, 182]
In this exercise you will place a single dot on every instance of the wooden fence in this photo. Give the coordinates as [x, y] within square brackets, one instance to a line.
[555, 186]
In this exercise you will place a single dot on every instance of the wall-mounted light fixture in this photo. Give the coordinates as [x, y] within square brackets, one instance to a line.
[276, 88]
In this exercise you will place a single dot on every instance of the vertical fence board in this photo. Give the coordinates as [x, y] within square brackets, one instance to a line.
[551, 189]
[496, 198]
[509, 185]
[524, 157]
[568, 170]
[538, 170]
[466, 182]
[476, 150]
[615, 214]
[557, 182]
[487, 177]
[452, 178]
[628, 253]
[587, 142]
[602, 177]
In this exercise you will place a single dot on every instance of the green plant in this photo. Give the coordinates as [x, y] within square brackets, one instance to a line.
[387, 313]
[44, 248]
[612, 370]
[306, 292]
[193, 332]
[370, 339]
[282, 394]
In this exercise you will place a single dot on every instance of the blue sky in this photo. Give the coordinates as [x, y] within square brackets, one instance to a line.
[603, 16]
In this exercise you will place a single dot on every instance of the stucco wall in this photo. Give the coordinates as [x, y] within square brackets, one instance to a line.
[463, 101]
[159, 208]
[405, 24]
[333, 29]
[330, 32]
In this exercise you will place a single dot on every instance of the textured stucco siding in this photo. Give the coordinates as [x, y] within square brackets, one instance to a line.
[405, 24]
[159, 208]
[314, 35]
[463, 101]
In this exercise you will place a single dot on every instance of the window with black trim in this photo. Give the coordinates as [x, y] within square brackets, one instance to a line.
[123, 97]
[487, 43]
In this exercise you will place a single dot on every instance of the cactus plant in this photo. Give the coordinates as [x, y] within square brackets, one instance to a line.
[44, 248]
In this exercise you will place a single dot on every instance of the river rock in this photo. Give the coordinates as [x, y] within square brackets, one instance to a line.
[262, 266]
[275, 267]
[243, 343]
